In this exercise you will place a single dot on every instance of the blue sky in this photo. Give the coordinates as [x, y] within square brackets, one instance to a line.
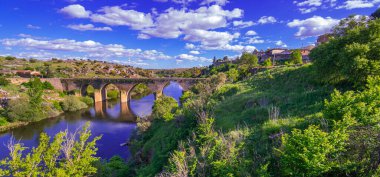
[165, 33]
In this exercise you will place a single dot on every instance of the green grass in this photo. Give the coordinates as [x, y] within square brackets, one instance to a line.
[291, 90]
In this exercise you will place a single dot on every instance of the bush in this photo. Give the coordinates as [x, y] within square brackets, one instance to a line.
[4, 81]
[226, 91]
[296, 57]
[3, 121]
[72, 103]
[57, 105]
[22, 110]
[116, 167]
[311, 152]
[164, 108]
[363, 106]
[112, 94]
[356, 51]
[88, 100]
[48, 86]
[10, 58]
[267, 62]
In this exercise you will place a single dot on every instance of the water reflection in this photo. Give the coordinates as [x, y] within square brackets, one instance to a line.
[112, 119]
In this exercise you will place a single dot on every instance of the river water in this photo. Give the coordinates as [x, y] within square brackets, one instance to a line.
[111, 119]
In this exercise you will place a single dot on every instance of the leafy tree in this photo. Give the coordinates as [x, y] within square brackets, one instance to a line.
[250, 59]
[296, 57]
[115, 167]
[357, 52]
[10, 58]
[267, 62]
[72, 103]
[348, 24]
[363, 106]
[311, 152]
[67, 155]
[164, 108]
[233, 74]
[376, 14]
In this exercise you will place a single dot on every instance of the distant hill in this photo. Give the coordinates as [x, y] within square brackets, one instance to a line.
[71, 68]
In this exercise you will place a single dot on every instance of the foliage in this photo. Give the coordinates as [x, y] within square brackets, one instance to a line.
[10, 58]
[88, 100]
[164, 108]
[296, 57]
[376, 14]
[233, 74]
[268, 62]
[67, 155]
[115, 167]
[363, 106]
[112, 94]
[356, 51]
[226, 91]
[4, 81]
[3, 121]
[311, 152]
[72, 103]
[249, 59]
[140, 91]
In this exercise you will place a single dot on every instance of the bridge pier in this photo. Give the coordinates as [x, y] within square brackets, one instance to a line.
[98, 96]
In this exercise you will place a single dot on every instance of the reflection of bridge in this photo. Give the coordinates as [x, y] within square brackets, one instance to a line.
[125, 113]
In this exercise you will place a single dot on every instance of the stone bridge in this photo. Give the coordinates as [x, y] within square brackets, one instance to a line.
[125, 85]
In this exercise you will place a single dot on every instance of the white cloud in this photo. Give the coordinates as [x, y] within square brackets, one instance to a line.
[356, 4]
[32, 26]
[267, 19]
[116, 16]
[192, 58]
[281, 44]
[307, 10]
[189, 46]
[90, 48]
[309, 3]
[88, 27]
[313, 26]
[194, 52]
[75, 11]
[251, 33]
[210, 38]
[218, 2]
[243, 24]
[255, 40]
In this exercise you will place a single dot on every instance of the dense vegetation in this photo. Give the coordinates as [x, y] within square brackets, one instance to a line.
[316, 119]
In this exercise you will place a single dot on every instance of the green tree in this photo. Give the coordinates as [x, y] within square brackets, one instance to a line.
[250, 59]
[67, 155]
[233, 74]
[268, 62]
[4, 81]
[164, 108]
[358, 51]
[72, 103]
[296, 57]
[376, 14]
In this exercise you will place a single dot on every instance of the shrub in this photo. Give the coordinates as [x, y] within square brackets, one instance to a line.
[57, 105]
[164, 108]
[267, 62]
[4, 81]
[3, 121]
[112, 94]
[226, 91]
[22, 110]
[88, 100]
[363, 106]
[311, 152]
[72, 103]
[296, 57]
[10, 58]
[233, 74]
[48, 86]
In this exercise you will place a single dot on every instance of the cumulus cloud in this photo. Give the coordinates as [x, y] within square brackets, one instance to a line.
[267, 19]
[313, 26]
[281, 44]
[255, 40]
[218, 2]
[75, 11]
[250, 33]
[32, 26]
[356, 4]
[192, 58]
[90, 48]
[243, 24]
[308, 6]
[194, 52]
[116, 16]
[88, 27]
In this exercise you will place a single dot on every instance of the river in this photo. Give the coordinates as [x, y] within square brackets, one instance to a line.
[111, 119]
